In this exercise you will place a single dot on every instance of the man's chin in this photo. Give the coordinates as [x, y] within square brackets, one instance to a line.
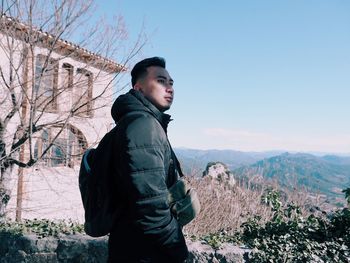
[165, 108]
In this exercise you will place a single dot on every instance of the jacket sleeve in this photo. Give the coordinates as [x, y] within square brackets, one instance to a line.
[146, 147]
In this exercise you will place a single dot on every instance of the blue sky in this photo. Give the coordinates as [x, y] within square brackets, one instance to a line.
[251, 75]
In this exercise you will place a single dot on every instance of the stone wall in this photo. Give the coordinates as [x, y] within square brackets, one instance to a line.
[84, 249]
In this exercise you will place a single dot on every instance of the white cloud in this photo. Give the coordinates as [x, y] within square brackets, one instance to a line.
[245, 140]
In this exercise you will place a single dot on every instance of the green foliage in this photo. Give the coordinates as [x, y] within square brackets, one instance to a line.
[290, 237]
[271, 198]
[42, 227]
[215, 240]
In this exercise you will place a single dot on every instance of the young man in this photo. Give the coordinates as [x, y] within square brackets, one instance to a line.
[144, 169]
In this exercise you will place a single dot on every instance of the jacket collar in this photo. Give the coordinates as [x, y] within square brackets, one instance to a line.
[163, 118]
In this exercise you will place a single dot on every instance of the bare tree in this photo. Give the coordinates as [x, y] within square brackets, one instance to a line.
[41, 91]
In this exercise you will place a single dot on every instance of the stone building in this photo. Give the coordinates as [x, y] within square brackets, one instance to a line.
[65, 90]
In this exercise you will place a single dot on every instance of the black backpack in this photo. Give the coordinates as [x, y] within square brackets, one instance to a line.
[101, 210]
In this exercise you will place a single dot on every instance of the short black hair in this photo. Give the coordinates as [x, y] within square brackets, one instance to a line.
[140, 69]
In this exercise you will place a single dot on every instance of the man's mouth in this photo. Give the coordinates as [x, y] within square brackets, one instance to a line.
[170, 99]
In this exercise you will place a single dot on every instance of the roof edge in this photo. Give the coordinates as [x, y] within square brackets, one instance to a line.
[60, 46]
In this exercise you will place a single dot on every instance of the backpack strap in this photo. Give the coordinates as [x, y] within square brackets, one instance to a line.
[177, 163]
[86, 161]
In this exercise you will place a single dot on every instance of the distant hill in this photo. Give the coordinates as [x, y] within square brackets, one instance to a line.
[324, 174]
[194, 161]
[337, 159]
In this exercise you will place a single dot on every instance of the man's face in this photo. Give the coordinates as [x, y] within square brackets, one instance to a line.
[157, 87]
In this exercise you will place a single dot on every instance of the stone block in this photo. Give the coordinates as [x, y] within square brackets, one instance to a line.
[18, 256]
[200, 253]
[26, 243]
[229, 253]
[98, 249]
[80, 248]
[5, 243]
[47, 244]
[42, 258]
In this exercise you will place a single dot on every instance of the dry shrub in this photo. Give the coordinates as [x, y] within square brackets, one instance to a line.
[223, 207]
[226, 208]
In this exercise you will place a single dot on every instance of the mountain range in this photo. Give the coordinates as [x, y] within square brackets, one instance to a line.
[323, 174]
[194, 161]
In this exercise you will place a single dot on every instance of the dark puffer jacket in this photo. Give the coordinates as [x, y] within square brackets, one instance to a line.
[143, 170]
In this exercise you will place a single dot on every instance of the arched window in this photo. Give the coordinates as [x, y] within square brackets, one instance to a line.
[66, 146]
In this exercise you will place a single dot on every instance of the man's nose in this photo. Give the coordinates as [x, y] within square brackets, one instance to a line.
[170, 89]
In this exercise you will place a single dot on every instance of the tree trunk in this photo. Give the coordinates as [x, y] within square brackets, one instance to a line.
[5, 191]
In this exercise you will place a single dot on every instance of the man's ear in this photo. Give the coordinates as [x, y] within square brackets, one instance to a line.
[137, 87]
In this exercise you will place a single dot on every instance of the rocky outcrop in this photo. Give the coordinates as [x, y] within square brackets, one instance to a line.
[84, 249]
[219, 172]
[228, 253]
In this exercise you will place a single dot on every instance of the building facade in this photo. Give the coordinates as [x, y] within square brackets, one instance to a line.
[61, 94]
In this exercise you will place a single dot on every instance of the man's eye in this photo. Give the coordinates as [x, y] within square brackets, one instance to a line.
[161, 81]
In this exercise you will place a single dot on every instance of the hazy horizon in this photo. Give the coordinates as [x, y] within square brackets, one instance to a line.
[269, 151]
